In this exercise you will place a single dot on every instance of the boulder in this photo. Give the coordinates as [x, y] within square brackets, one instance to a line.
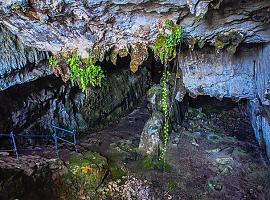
[154, 98]
[150, 139]
[86, 173]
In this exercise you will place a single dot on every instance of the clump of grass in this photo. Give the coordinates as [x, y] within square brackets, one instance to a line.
[116, 172]
[172, 185]
[154, 163]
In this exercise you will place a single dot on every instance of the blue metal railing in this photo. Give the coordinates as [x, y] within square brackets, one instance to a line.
[59, 134]
[13, 143]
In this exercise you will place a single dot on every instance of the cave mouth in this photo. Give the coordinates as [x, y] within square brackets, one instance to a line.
[232, 115]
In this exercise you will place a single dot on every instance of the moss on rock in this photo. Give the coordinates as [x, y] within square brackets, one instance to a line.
[86, 172]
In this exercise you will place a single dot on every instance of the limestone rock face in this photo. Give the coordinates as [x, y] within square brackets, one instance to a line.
[206, 72]
[19, 63]
[49, 100]
[151, 136]
[259, 107]
[150, 139]
[154, 98]
[242, 75]
[121, 24]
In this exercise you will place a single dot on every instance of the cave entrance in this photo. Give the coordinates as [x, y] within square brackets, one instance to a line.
[229, 115]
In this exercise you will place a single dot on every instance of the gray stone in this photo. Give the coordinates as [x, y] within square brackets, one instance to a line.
[150, 138]
[154, 98]
[19, 63]
[219, 75]
[136, 22]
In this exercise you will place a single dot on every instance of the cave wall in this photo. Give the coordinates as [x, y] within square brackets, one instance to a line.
[206, 72]
[19, 63]
[32, 97]
[245, 74]
[34, 106]
[260, 106]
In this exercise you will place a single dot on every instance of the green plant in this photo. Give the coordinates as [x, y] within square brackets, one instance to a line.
[165, 48]
[19, 8]
[53, 62]
[165, 44]
[116, 172]
[154, 163]
[165, 110]
[172, 185]
[85, 73]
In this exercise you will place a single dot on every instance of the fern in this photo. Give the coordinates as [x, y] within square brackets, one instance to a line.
[53, 62]
[85, 73]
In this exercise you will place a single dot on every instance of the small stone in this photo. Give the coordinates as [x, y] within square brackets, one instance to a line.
[260, 188]
[194, 142]
[218, 187]
[224, 160]
[4, 153]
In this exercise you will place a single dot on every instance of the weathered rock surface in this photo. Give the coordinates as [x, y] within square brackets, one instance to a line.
[260, 110]
[242, 75]
[122, 24]
[49, 100]
[220, 75]
[31, 178]
[151, 135]
[86, 174]
[19, 63]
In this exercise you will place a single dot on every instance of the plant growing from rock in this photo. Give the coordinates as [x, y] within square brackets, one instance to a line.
[165, 45]
[85, 73]
[82, 71]
[53, 62]
[165, 49]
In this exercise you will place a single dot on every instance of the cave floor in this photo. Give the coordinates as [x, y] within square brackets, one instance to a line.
[213, 155]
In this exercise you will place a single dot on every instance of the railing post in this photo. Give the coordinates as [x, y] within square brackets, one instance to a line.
[55, 141]
[14, 145]
[74, 140]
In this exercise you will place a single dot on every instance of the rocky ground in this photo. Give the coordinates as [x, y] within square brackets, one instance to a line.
[213, 156]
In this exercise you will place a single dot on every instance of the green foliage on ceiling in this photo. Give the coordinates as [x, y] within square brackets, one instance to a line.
[53, 62]
[165, 45]
[82, 71]
[85, 73]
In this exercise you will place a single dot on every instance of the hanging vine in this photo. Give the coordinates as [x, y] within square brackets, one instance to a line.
[165, 49]
[81, 71]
